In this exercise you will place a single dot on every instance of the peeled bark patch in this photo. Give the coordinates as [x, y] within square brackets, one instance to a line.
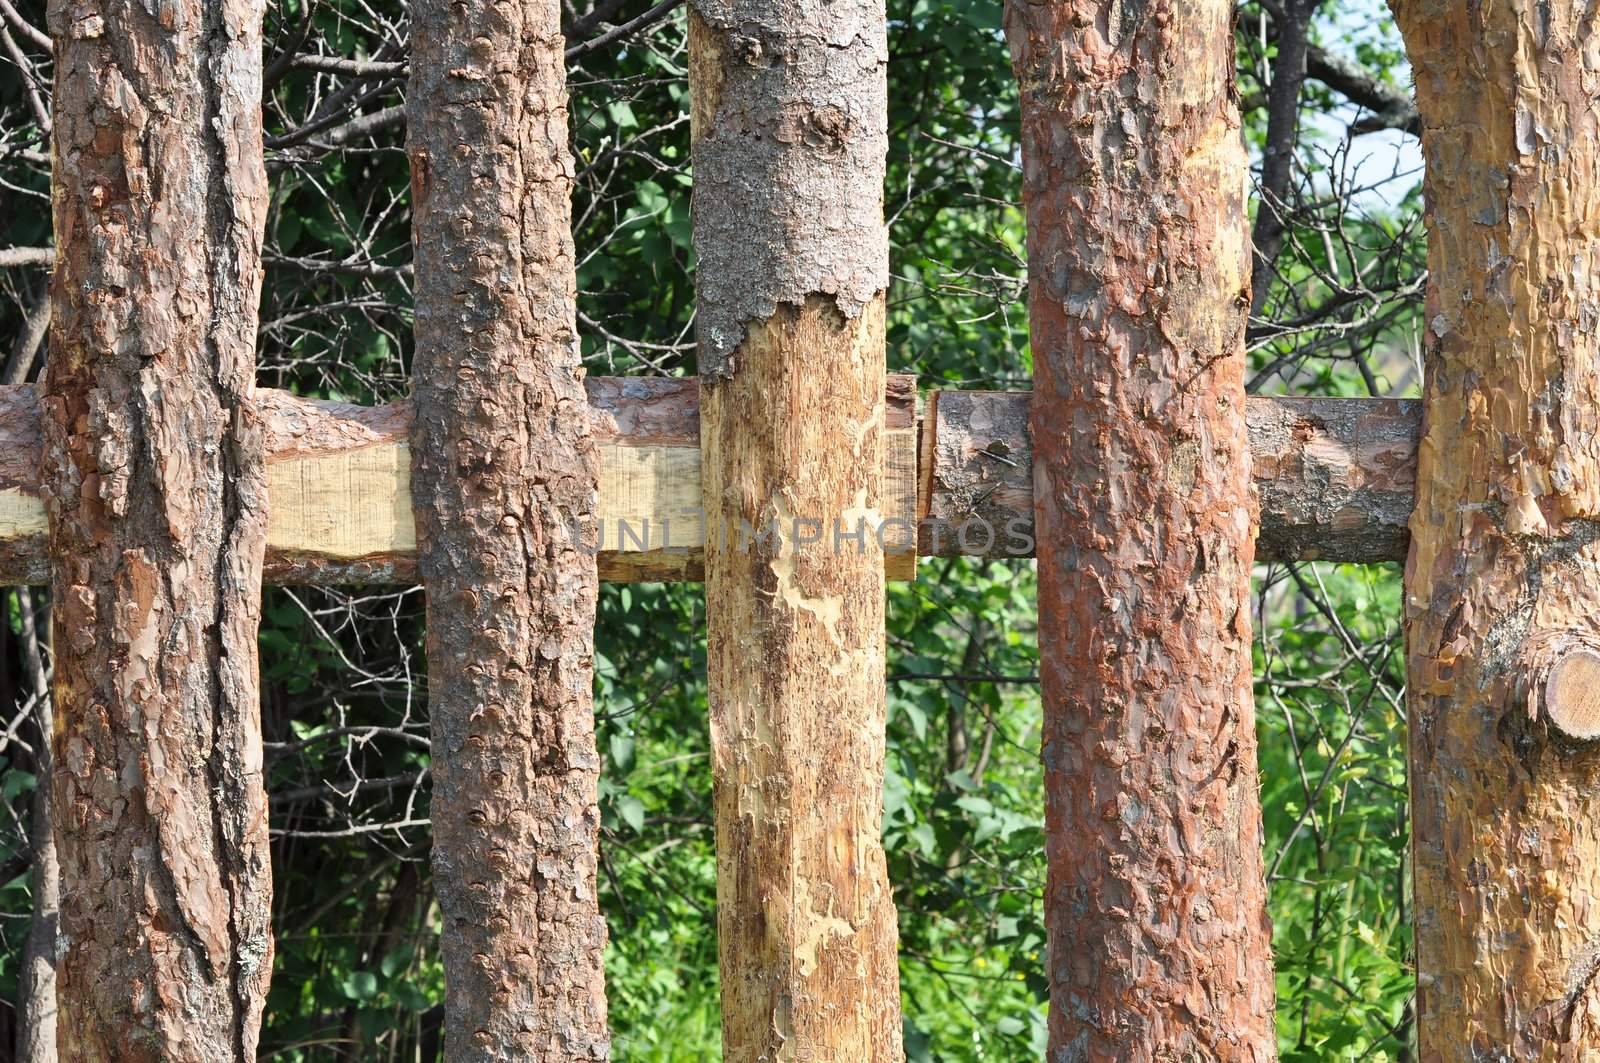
[795, 662]
[505, 475]
[1133, 179]
[1503, 580]
[789, 110]
[154, 460]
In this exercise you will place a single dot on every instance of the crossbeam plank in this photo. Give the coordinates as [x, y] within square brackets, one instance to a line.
[1335, 476]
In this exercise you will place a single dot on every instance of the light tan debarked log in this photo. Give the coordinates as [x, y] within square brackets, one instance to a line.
[1336, 478]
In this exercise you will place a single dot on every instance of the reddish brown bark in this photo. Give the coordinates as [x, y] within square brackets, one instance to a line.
[1503, 581]
[1133, 181]
[504, 482]
[789, 108]
[153, 452]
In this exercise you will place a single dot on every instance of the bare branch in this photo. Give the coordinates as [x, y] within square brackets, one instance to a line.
[13, 257]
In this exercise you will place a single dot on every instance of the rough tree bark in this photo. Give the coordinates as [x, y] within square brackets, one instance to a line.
[505, 484]
[154, 459]
[1503, 580]
[789, 112]
[1133, 181]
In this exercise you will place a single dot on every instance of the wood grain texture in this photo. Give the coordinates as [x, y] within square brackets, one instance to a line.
[154, 457]
[1502, 593]
[788, 104]
[1138, 292]
[1572, 695]
[339, 477]
[807, 931]
[505, 474]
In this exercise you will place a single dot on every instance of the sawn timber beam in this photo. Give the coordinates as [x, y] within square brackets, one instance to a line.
[1335, 478]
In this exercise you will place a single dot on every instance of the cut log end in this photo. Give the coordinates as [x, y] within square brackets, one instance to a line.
[1572, 696]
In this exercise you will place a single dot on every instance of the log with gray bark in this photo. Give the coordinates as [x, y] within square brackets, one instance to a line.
[505, 476]
[1335, 478]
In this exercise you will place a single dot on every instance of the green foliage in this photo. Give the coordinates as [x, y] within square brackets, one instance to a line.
[964, 811]
[1331, 717]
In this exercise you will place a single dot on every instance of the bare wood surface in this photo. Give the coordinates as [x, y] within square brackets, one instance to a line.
[1335, 476]
[1572, 695]
[789, 117]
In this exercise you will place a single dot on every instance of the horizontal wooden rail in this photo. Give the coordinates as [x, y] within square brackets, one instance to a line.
[1335, 477]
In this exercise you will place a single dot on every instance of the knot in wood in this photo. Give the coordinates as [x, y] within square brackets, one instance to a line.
[1572, 695]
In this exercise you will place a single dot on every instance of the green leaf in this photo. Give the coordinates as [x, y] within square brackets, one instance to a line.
[919, 719]
[631, 809]
[397, 961]
[16, 783]
[622, 115]
[359, 985]
[977, 806]
[918, 1045]
[622, 751]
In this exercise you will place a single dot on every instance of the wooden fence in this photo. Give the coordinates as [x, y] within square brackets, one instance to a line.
[1336, 479]
[155, 489]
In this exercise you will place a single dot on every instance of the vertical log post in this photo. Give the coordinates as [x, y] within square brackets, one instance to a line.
[1503, 581]
[155, 466]
[505, 485]
[1139, 281]
[789, 110]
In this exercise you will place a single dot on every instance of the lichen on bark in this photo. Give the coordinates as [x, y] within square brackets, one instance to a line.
[791, 115]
